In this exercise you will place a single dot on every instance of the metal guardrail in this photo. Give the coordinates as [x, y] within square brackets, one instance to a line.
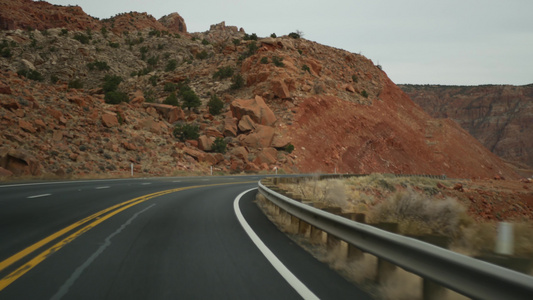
[468, 276]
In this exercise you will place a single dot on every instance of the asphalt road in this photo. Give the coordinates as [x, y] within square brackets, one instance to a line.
[165, 238]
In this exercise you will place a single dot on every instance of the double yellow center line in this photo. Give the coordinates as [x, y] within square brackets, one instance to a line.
[87, 224]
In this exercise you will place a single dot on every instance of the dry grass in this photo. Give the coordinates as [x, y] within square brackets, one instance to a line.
[417, 214]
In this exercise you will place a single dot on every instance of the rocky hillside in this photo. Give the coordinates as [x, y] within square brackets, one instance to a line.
[135, 90]
[500, 116]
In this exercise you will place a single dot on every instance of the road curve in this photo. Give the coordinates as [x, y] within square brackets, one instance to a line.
[163, 238]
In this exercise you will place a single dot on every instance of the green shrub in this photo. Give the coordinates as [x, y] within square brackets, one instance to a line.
[172, 99]
[99, 65]
[306, 68]
[5, 50]
[190, 99]
[185, 131]
[219, 145]
[171, 65]
[205, 42]
[289, 148]
[278, 61]
[215, 105]
[153, 80]
[54, 79]
[294, 35]
[103, 30]
[169, 87]
[152, 61]
[114, 97]
[273, 35]
[82, 38]
[154, 32]
[111, 83]
[75, 84]
[114, 45]
[252, 37]
[364, 94]
[31, 74]
[252, 48]
[63, 32]
[354, 78]
[237, 82]
[264, 60]
[223, 72]
[201, 55]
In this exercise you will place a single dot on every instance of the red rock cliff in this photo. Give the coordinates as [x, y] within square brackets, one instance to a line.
[499, 116]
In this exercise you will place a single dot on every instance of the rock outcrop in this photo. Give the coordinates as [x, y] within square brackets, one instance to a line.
[499, 116]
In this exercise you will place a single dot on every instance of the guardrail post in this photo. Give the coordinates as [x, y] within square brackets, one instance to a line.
[355, 253]
[316, 235]
[303, 228]
[295, 224]
[385, 268]
[431, 289]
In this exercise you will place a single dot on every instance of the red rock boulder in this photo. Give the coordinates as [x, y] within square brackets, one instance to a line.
[255, 108]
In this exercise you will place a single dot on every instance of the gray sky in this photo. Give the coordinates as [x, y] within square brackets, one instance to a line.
[459, 42]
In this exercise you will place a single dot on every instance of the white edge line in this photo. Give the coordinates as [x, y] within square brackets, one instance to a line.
[39, 196]
[296, 284]
[102, 187]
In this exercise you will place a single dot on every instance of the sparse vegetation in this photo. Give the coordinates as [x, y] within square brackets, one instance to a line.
[273, 35]
[295, 35]
[264, 60]
[278, 61]
[289, 148]
[98, 65]
[202, 55]
[171, 65]
[252, 37]
[172, 99]
[186, 131]
[237, 82]
[115, 97]
[5, 50]
[364, 93]
[31, 74]
[219, 145]
[170, 87]
[82, 38]
[111, 83]
[152, 61]
[205, 42]
[190, 99]
[306, 68]
[153, 80]
[223, 72]
[215, 105]
[75, 84]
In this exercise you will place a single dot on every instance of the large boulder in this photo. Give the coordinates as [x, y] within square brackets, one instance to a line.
[255, 108]
[109, 119]
[230, 127]
[261, 137]
[246, 124]
[19, 162]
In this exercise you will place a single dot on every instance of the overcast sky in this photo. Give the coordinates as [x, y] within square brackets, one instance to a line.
[458, 42]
